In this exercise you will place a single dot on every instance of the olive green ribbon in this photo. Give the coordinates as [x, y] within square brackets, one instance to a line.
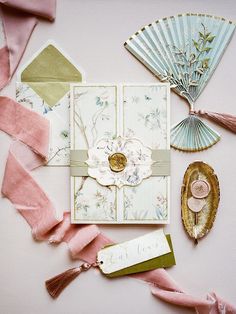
[160, 166]
[78, 166]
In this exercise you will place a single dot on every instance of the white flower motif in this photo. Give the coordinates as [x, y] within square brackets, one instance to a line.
[119, 162]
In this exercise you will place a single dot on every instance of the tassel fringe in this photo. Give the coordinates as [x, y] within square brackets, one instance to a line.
[58, 283]
[227, 121]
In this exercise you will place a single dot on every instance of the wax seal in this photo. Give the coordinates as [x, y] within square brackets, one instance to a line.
[200, 188]
[196, 204]
[117, 162]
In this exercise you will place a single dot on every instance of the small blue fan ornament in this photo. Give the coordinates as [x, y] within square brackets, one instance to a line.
[185, 50]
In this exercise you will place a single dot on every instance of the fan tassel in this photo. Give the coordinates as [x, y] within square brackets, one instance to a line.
[227, 121]
[58, 283]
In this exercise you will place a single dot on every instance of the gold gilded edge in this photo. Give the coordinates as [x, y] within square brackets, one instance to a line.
[179, 15]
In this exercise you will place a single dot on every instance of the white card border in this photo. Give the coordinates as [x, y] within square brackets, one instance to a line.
[123, 222]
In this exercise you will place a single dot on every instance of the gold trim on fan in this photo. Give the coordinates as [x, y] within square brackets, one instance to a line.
[182, 149]
[181, 14]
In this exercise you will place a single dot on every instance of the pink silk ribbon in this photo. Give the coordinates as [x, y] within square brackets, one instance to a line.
[19, 19]
[29, 150]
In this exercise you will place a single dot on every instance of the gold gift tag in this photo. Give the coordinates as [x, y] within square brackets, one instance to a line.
[120, 256]
[151, 251]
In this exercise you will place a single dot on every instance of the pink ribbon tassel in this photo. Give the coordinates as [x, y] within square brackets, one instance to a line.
[28, 151]
[227, 121]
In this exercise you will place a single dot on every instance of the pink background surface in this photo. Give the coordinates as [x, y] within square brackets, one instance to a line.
[92, 33]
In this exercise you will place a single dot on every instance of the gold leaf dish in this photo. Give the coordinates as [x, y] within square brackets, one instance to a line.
[198, 226]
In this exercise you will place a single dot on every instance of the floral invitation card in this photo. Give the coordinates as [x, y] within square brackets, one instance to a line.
[120, 153]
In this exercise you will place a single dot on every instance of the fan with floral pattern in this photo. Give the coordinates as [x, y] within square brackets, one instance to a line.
[185, 50]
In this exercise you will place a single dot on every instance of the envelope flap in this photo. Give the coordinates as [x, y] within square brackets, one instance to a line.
[50, 92]
[49, 73]
[50, 65]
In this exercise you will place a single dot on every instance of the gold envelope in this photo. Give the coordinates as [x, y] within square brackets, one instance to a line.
[43, 85]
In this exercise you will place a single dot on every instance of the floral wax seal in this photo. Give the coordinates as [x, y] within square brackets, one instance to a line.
[117, 162]
[200, 188]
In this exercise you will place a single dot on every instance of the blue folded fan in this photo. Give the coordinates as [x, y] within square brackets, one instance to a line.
[185, 50]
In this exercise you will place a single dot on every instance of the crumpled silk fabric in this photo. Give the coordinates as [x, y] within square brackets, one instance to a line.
[18, 19]
[42, 8]
[29, 150]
